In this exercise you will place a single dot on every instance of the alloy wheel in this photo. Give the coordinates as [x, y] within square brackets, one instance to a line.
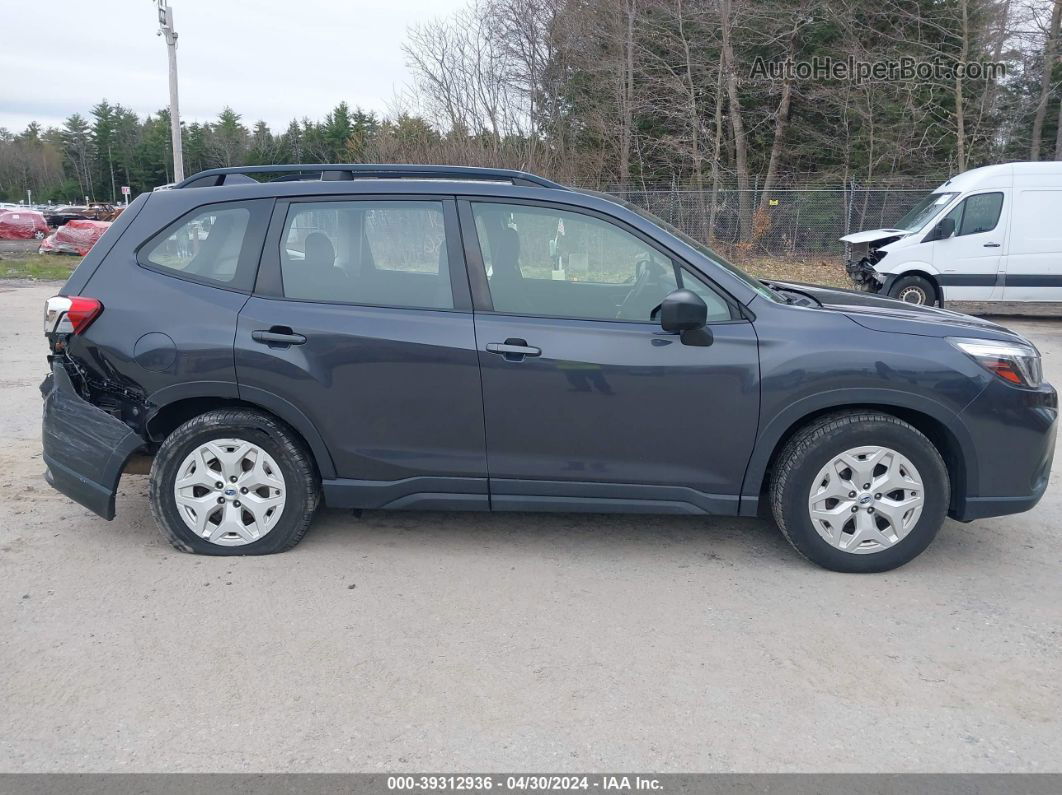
[229, 492]
[866, 499]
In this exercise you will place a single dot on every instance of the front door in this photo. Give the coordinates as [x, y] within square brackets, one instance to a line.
[970, 261]
[588, 404]
[362, 328]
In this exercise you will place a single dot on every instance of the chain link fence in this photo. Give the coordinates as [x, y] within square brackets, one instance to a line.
[798, 223]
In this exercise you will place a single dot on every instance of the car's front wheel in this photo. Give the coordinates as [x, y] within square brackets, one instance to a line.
[859, 492]
[914, 290]
[233, 482]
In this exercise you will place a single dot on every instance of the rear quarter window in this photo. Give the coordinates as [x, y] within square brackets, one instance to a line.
[216, 244]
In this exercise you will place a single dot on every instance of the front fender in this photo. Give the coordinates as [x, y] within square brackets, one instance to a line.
[779, 426]
[901, 267]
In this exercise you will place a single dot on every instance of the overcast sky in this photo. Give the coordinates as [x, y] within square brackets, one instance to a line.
[268, 59]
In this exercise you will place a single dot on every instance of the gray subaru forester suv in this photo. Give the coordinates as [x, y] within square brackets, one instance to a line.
[430, 338]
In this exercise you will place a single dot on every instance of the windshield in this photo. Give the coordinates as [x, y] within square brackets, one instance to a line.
[714, 256]
[924, 211]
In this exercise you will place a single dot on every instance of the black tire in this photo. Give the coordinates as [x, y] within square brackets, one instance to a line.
[276, 439]
[813, 446]
[906, 288]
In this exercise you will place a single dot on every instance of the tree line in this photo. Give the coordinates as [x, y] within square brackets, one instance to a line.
[638, 94]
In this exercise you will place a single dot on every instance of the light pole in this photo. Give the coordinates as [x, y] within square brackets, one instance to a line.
[166, 30]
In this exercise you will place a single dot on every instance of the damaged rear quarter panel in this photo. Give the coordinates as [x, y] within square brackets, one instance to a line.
[198, 320]
[104, 387]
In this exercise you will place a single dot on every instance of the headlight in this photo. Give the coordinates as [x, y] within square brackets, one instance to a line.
[1014, 362]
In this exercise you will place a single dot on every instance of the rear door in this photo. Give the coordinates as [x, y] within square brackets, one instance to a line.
[589, 405]
[361, 328]
[970, 262]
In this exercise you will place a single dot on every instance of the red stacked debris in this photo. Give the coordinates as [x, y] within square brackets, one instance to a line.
[74, 237]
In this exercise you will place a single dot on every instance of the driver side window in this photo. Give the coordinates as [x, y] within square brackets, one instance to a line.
[557, 263]
[977, 213]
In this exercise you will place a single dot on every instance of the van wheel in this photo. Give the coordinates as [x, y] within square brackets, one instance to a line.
[914, 290]
[233, 482]
[859, 492]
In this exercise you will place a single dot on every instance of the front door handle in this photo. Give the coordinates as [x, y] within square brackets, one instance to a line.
[278, 337]
[992, 245]
[513, 349]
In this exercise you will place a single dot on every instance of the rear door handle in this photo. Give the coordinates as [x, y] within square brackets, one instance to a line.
[514, 350]
[992, 245]
[278, 337]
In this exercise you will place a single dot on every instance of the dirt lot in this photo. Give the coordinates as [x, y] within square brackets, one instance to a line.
[511, 642]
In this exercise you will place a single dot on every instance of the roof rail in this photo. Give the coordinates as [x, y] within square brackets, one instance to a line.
[213, 177]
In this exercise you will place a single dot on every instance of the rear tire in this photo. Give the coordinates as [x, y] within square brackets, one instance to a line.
[914, 290]
[271, 472]
[858, 534]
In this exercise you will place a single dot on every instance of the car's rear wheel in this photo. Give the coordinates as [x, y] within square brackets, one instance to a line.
[859, 492]
[233, 482]
[914, 290]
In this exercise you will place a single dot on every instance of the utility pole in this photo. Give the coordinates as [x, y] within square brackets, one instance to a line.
[166, 30]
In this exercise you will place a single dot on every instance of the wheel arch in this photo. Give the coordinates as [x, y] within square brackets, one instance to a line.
[939, 424]
[923, 271]
[178, 406]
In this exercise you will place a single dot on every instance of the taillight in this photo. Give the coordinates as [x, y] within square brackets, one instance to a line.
[70, 314]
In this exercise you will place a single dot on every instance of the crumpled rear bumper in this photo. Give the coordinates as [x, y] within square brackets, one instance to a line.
[85, 448]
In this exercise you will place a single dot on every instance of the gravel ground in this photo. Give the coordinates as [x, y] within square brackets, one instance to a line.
[18, 248]
[450, 642]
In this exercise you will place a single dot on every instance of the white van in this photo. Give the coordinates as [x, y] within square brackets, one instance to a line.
[989, 234]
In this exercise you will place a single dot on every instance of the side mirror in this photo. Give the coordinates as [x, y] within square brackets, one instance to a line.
[943, 230]
[682, 310]
[685, 313]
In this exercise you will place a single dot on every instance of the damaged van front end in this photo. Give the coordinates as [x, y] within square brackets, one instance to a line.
[867, 249]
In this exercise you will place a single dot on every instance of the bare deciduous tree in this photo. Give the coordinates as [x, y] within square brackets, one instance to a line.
[1050, 51]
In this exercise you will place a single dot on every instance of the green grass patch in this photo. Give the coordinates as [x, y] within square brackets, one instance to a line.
[44, 267]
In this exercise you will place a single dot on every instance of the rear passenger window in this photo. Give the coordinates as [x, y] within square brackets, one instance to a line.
[384, 253]
[205, 244]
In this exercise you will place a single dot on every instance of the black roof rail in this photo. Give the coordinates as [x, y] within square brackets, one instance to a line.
[213, 177]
